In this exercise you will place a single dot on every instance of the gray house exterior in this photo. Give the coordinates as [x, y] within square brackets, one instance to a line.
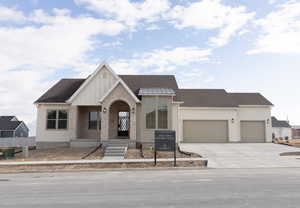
[10, 126]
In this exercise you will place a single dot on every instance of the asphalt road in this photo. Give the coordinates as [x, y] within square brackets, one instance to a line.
[165, 188]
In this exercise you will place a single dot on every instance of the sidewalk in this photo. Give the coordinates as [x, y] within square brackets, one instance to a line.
[79, 162]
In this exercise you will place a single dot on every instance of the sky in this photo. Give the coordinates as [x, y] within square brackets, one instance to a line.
[236, 45]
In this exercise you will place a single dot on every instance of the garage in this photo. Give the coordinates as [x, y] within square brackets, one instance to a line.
[253, 131]
[205, 131]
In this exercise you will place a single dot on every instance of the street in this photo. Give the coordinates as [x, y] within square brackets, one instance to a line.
[272, 187]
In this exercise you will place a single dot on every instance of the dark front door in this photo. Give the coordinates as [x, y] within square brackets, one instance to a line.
[123, 125]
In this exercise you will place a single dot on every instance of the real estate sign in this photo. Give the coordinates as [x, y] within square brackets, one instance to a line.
[165, 141]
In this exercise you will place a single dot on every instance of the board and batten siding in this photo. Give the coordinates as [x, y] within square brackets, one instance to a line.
[96, 88]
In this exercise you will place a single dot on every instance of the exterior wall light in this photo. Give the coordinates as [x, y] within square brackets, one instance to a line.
[104, 110]
[232, 120]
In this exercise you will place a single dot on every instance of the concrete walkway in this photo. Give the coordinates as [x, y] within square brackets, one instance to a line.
[258, 155]
[108, 160]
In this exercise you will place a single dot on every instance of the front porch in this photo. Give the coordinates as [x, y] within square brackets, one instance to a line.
[106, 125]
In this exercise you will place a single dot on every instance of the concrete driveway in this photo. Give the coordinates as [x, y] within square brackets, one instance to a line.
[257, 155]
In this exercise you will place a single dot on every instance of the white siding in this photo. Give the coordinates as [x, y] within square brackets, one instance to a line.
[96, 88]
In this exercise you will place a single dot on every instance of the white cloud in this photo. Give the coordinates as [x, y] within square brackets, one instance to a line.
[152, 27]
[211, 15]
[162, 60]
[32, 52]
[127, 11]
[272, 1]
[11, 15]
[280, 30]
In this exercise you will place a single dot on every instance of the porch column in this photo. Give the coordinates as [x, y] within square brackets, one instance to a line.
[104, 123]
[73, 119]
[133, 114]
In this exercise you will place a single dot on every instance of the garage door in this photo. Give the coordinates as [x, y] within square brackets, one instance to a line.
[253, 131]
[205, 131]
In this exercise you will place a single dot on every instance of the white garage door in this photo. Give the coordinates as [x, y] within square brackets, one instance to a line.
[253, 131]
[205, 131]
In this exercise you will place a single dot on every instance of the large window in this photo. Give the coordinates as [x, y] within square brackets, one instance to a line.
[162, 113]
[150, 108]
[94, 120]
[57, 119]
[156, 109]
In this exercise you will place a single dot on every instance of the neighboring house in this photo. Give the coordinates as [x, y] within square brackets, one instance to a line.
[296, 132]
[10, 126]
[106, 106]
[281, 129]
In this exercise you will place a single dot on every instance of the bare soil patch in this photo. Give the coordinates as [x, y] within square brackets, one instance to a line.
[96, 166]
[62, 153]
[290, 154]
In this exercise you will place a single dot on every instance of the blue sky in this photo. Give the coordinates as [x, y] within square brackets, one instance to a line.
[241, 46]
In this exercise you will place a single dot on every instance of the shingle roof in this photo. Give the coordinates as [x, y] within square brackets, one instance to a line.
[61, 91]
[250, 99]
[8, 125]
[6, 117]
[156, 91]
[280, 123]
[65, 88]
[135, 82]
[205, 98]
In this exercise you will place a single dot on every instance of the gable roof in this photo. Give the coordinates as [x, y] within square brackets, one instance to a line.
[8, 123]
[280, 123]
[90, 78]
[250, 99]
[65, 88]
[135, 82]
[204, 98]
[120, 82]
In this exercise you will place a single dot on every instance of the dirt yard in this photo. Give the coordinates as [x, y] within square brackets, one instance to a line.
[63, 153]
[147, 154]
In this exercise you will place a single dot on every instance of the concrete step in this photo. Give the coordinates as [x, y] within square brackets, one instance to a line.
[117, 154]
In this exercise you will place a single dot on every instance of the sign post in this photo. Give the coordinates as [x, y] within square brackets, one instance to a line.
[165, 141]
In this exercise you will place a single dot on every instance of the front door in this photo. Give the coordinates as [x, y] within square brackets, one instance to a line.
[123, 125]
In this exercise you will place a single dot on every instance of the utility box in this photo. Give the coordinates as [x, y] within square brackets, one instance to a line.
[8, 153]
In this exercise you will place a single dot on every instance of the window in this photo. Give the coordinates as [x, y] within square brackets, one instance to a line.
[162, 113]
[150, 109]
[6, 133]
[94, 120]
[156, 109]
[51, 119]
[57, 119]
